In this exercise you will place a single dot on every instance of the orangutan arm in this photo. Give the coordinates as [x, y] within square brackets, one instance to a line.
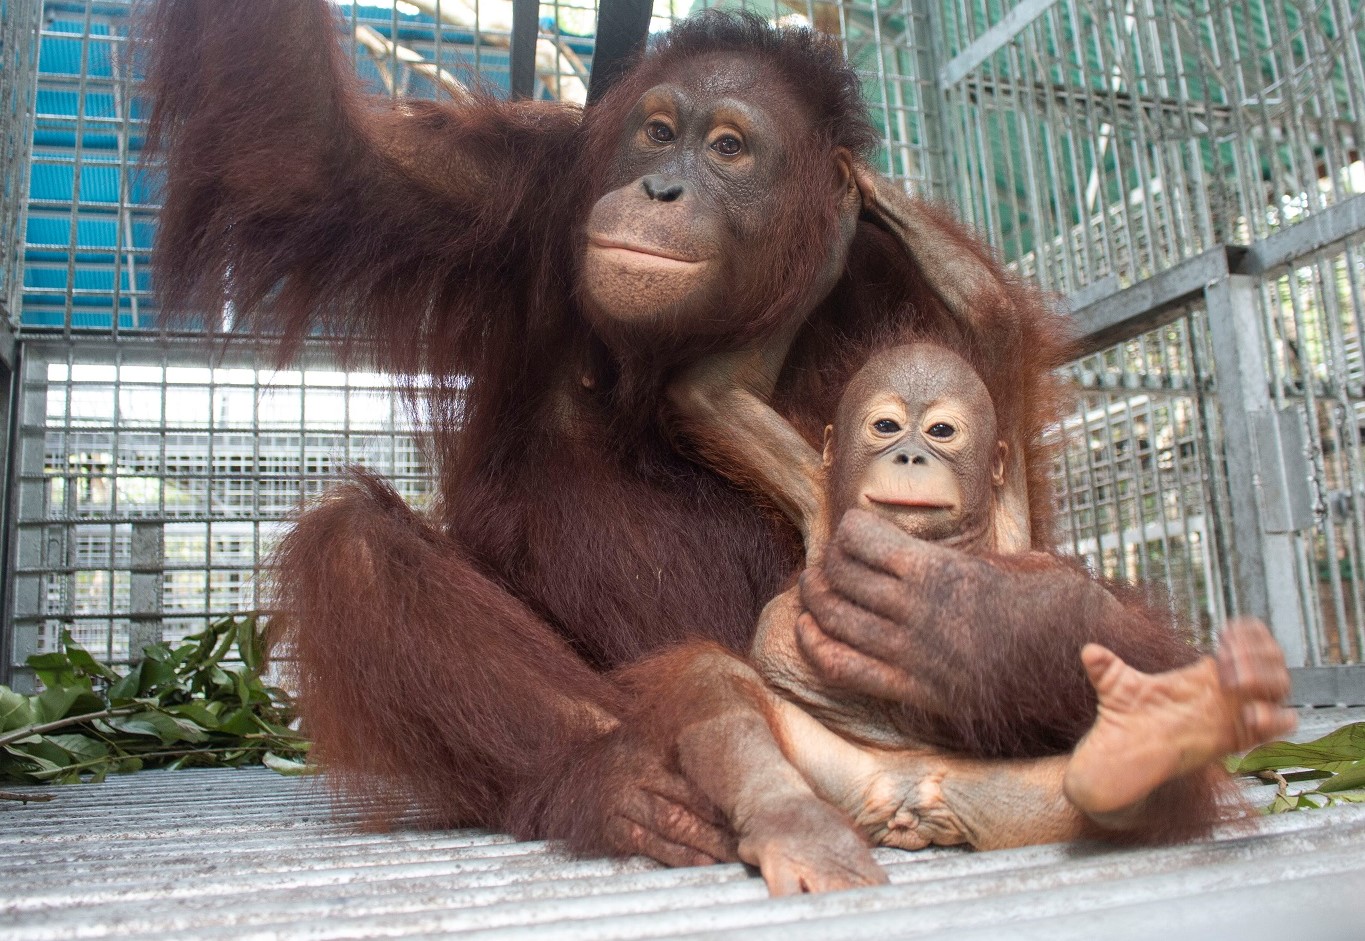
[314, 208]
[965, 644]
[721, 405]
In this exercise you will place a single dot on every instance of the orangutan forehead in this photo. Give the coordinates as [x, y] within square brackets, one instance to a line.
[917, 373]
[743, 78]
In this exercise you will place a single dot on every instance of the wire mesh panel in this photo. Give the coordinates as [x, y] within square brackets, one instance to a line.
[1089, 138]
[1313, 313]
[1138, 481]
[153, 483]
[18, 55]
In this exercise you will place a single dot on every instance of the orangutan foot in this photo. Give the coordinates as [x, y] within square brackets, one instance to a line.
[806, 846]
[902, 804]
[1152, 728]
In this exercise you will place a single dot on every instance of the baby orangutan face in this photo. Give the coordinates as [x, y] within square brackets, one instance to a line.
[914, 441]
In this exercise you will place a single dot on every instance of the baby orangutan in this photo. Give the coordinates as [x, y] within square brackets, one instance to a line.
[807, 776]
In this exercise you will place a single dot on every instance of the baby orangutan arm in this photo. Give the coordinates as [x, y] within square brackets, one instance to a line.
[721, 404]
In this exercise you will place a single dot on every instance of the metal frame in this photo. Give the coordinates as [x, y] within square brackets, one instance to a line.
[1269, 477]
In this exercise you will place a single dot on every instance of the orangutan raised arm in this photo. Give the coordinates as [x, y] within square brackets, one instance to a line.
[313, 207]
[721, 405]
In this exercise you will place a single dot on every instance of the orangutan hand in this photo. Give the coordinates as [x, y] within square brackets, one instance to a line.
[900, 619]
[649, 810]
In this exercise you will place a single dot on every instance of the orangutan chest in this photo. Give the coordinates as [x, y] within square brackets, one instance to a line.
[626, 563]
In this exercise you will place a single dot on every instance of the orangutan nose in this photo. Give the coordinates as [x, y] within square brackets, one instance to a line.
[919, 460]
[661, 188]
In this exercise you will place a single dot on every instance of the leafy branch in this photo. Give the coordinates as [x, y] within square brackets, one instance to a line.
[1336, 761]
[188, 705]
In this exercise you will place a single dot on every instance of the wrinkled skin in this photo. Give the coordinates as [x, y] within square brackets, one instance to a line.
[918, 447]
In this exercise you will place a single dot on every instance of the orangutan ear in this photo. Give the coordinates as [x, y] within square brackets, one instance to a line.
[1012, 529]
[1002, 455]
[843, 169]
[827, 454]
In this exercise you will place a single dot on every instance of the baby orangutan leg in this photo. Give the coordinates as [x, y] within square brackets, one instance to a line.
[1154, 728]
[727, 749]
[913, 798]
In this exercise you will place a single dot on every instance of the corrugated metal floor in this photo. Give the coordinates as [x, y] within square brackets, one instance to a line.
[248, 854]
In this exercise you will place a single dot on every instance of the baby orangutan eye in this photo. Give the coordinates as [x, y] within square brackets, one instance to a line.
[659, 132]
[941, 430]
[885, 426]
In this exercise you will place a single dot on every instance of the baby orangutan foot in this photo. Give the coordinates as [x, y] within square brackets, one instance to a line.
[901, 803]
[807, 846]
[1152, 728]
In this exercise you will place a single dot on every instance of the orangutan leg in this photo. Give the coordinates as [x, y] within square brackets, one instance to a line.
[913, 799]
[1154, 728]
[716, 708]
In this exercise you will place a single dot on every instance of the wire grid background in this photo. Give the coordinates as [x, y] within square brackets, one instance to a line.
[1098, 144]
[1093, 145]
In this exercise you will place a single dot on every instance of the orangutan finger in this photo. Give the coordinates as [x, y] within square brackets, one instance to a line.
[679, 790]
[1250, 663]
[869, 588]
[675, 821]
[842, 666]
[632, 836]
[1261, 722]
[1103, 667]
[878, 544]
[848, 622]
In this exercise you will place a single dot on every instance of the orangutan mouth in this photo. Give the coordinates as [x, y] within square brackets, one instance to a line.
[646, 254]
[909, 503]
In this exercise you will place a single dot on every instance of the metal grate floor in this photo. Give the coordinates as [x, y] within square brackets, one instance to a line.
[247, 854]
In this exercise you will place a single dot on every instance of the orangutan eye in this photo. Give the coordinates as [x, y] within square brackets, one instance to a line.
[885, 426]
[727, 146]
[941, 430]
[659, 132]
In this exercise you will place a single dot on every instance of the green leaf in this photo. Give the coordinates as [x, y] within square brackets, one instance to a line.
[83, 661]
[127, 689]
[157, 652]
[158, 675]
[15, 710]
[240, 722]
[287, 766]
[81, 748]
[168, 729]
[60, 702]
[54, 669]
[196, 712]
[32, 762]
[1349, 797]
[1333, 752]
[1347, 779]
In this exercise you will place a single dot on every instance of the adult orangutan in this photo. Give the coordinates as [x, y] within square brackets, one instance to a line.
[806, 776]
[548, 269]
